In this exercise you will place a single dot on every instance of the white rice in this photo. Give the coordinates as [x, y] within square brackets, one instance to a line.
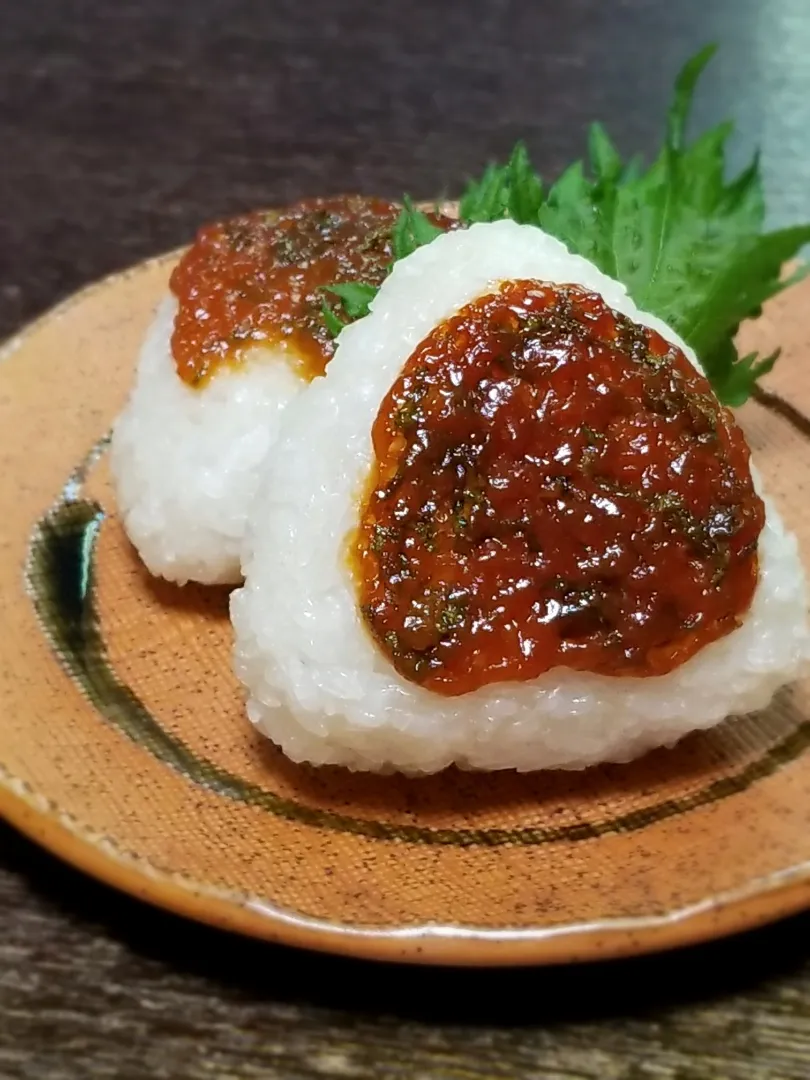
[318, 685]
[186, 462]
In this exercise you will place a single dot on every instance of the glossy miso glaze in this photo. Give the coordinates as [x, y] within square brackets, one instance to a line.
[257, 279]
[553, 485]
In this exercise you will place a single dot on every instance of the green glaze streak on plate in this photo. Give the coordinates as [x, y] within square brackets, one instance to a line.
[59, 576]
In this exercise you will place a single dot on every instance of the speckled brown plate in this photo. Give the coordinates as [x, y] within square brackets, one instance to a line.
[124, 748]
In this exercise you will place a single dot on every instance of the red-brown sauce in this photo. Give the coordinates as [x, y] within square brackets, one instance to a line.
[257, 279]
[553, 486]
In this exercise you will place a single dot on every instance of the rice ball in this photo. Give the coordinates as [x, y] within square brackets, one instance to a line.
[318, 682]
[239, 336]
[186, 462]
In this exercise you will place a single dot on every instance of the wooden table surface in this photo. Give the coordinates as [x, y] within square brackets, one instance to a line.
[122, 126]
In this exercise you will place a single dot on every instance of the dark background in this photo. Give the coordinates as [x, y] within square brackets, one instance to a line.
[122, 127]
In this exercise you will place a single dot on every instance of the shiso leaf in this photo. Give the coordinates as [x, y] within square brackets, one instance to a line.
[605, 158]
[355, 296]
[687, 243]
[525, 190]
[513, 190]
[735, 376]
[412, 229]
[331, 321]
[485, 199]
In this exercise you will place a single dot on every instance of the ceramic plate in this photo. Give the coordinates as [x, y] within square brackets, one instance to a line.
[124, 747]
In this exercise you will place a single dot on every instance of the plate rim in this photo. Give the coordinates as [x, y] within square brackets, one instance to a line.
[453, 945]
[757, 902]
